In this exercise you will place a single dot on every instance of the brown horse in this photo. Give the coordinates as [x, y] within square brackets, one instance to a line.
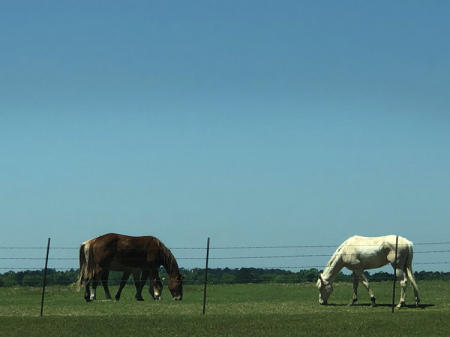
[131, 255]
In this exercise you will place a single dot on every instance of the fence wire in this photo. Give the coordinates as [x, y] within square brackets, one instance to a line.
[220, 256]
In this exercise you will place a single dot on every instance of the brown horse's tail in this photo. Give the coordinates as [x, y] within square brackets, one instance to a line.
[83, 265]
[86, 264]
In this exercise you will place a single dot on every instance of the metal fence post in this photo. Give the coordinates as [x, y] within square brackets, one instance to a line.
[395, 274]
[44, 280]
[206, 277]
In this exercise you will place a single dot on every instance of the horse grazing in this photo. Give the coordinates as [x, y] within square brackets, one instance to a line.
[131, 255]
[359, 253]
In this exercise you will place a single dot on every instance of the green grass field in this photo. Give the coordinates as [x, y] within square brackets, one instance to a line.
[232, 310]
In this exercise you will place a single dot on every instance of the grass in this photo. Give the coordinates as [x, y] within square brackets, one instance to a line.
[232, 310]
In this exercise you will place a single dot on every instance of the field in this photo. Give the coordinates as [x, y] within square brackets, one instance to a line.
[232, 310]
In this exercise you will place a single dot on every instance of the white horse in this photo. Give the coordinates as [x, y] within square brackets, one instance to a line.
[359, 253]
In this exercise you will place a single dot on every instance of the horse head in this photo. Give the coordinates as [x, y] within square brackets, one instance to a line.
[325, 290]
[176, 286]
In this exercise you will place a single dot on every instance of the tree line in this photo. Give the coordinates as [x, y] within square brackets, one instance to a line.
[215, 276]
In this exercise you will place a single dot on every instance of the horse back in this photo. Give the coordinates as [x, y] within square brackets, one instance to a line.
[375, 252]
[120, 252]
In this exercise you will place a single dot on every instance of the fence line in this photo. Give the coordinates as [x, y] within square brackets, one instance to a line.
[230, 247]
[223, 258]
[219, 258]
[246, 277]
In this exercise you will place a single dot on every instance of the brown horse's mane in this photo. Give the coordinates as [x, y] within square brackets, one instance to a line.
[168, 260]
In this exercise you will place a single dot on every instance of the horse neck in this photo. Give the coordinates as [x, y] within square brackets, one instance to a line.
[333, 267]
[168, 261]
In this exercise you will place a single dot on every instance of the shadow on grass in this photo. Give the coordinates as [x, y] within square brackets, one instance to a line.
[409, 306]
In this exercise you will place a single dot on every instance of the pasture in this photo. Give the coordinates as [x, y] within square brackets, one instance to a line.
[232, 310]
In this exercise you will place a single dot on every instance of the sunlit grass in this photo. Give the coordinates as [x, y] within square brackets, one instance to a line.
[232, 310]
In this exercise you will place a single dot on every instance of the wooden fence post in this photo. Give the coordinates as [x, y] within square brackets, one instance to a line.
[44, 280]
[395, 274]
[206, 277]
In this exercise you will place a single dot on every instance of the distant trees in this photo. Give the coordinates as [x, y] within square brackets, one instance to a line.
[215, 276]
[33, 278]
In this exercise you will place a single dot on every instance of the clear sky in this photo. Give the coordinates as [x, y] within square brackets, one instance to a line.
[251, 122]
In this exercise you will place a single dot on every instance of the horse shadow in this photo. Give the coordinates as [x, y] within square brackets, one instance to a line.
[409, 306]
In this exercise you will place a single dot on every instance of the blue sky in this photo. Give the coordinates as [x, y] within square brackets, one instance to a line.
[252, 122]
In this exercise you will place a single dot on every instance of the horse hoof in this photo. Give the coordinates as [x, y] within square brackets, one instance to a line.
[139, 299]
[401, 305]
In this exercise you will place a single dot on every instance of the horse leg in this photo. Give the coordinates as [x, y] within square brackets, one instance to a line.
[94, 289]
[355, 288]
[403, 283]
[414, 285]
[155, 288]
[365, 282]
[87, 292]
[139, 282]
[104, 280]
[123, 281]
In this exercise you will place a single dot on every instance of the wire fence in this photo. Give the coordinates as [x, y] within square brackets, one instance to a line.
[28, 261]
[427, 255]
